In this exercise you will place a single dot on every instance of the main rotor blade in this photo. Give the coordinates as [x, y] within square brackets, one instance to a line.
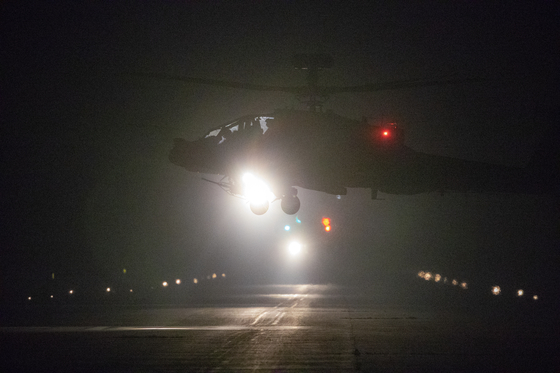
[386, 86]
[221, 83]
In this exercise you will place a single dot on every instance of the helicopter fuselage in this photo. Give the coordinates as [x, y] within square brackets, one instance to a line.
[328, 153]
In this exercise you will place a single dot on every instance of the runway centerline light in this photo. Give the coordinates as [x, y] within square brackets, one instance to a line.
[535, 297]
[195, 281]
[294, 248]
[164, 283]
[178, 282]
[520, 292]
[496, 290]
[108, 290]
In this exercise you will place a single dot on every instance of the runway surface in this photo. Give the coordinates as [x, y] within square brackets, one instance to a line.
[281, 328]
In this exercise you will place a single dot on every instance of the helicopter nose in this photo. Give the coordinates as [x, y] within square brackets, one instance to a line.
[182, 153]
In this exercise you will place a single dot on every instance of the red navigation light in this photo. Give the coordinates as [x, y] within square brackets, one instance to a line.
[385, 133]
[327, 223]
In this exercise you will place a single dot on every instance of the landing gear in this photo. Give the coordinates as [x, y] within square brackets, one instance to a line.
[290, 204]
[259, 208]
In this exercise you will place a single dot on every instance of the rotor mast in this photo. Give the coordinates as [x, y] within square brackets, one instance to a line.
[313, 97]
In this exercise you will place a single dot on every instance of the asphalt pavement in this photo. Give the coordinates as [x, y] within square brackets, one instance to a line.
[280, 328]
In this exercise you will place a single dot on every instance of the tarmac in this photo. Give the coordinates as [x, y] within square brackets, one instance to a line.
[280, 328]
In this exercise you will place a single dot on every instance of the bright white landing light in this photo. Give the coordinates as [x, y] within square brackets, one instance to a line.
[294, 248]
[256, 190]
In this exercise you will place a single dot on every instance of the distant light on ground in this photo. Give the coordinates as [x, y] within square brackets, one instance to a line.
[223, 275]
[214, 275]
[164, 284]
[195, 281]
[28, 298]
[124, 271]
[131, 290]
[437, 277]
[535, 297]
[455, 282]
[428, 276]
[327, 223]
[52, 296]
[421, 274]
[496, 290]
[445, 280]
[294, 248]
[464, 285]
[178, 281]
[71, 292]
[520, 292]
[287, 228]
[108, 290]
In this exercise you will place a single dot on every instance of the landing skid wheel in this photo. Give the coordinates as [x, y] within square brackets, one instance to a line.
[290, 205]
[259, 208]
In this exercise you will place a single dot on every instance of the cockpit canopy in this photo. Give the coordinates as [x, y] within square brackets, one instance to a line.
[245, 125]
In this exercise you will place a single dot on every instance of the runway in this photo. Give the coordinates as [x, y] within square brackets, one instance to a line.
[290, 328]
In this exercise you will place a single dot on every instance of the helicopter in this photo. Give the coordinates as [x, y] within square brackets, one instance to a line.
[265, 157]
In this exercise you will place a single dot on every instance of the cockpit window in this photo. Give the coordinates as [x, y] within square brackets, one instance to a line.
[243, 126]
[213, 133]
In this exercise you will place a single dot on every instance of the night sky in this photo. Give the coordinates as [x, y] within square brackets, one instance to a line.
[87, 189]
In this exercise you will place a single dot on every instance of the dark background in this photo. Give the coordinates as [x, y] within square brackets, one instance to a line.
[87, 189]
